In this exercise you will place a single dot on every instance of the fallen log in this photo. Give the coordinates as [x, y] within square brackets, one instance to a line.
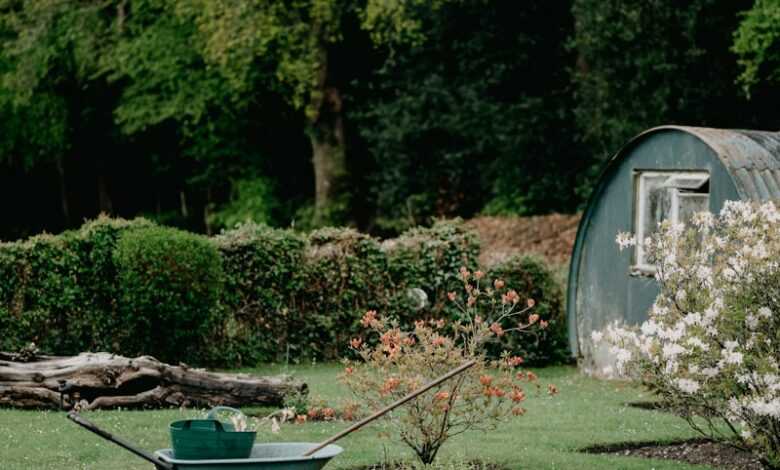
[102, 380]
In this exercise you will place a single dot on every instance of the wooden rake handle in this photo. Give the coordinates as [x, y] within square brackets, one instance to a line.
[389, 408]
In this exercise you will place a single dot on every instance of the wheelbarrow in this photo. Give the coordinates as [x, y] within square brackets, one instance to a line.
[272, 456]
[277, 456]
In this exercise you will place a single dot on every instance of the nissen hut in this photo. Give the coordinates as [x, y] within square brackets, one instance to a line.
[668, 172]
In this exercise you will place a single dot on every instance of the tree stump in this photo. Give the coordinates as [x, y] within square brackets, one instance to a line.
[103, 380]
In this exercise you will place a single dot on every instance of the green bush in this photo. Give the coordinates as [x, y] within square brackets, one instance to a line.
[261, 266]
[429, 259]
[250, 295]
[170, 283]
[344, 274]
[531, 278]
[60, 291]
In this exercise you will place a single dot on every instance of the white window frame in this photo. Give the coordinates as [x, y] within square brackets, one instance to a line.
[696, 179]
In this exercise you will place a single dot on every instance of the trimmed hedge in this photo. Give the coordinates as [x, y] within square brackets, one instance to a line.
[169, 283]
[249, 295]
[261, 266]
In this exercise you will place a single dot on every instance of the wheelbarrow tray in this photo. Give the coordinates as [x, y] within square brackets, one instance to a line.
[270, 456]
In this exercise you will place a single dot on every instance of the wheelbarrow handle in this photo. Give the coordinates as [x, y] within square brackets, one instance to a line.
[159, 464]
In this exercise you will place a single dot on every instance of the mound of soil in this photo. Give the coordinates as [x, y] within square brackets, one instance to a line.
[694, 451]
[550, 236]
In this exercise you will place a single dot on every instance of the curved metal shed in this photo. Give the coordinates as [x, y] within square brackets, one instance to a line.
[606, 284]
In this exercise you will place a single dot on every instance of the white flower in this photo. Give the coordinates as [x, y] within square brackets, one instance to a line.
[624, 240]
[688, 386]
[597, 336]
[765, 312]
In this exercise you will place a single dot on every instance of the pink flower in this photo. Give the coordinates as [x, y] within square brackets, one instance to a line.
[496, 328]
[498, 284]
[479, 274]
[355, 343]
[452, 296]
[368, 319]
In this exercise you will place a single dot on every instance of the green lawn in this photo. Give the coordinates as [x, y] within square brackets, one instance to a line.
[586, 412]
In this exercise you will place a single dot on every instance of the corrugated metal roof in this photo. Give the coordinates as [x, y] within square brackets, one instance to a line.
[751, 157]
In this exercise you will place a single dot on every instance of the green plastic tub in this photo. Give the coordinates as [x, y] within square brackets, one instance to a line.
[204, 439]
[281, 456]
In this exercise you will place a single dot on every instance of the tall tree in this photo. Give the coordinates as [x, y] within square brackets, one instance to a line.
[757, 42]
[301, 37]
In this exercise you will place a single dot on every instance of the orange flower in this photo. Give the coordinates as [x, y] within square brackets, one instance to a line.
[300, 419]
[355, 343]
[496, 328]
[552, 389]
[510, 297]
[349, 370]
[498, 284]
[438, 341]
[328, 413]
[452, 296]
[519, 411]
[389, 385]
[441, 323]
[514, 361]
[409, 341]
[495, 392]
[485, 380]
[530, 303]
[543, 324]
[517, 395]
[479, 274]
[532, 377]
[314, 413]
[464, 273]
[477, 319]
[441, 396]
[368, 319]
[533, 318]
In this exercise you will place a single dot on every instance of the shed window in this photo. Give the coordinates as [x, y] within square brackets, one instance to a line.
[665, 195]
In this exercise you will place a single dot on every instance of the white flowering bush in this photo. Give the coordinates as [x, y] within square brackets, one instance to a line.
[711, 346]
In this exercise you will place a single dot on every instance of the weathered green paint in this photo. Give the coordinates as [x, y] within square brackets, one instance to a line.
[741, 164]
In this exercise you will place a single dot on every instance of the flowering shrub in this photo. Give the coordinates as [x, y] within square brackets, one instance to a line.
[711, 345]
[394, 362]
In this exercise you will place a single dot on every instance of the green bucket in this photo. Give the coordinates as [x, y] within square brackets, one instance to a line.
[206, 439]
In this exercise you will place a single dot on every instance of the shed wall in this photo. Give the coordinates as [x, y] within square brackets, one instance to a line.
[605, 291]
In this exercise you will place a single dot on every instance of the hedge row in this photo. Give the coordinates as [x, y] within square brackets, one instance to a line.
[249, 295]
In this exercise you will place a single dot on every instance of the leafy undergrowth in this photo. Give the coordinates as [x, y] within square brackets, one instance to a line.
[586, 412]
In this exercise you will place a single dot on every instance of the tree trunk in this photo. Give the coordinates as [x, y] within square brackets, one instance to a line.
[103, 380]
[326, 131]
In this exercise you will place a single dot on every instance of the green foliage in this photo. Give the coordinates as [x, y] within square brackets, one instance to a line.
[261, 267]
[757, 42]
[252, 294]
[344, 274]
[429, 259]
[169, 285]
[465, 119]
[252, 201]
[646, 63]
[532, 279]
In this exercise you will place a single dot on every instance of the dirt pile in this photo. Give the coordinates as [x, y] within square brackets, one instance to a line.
[550, 236]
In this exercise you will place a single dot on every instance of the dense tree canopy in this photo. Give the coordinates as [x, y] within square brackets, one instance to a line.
[202, 113]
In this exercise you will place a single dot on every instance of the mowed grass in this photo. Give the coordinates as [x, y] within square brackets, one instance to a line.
[586, 412]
